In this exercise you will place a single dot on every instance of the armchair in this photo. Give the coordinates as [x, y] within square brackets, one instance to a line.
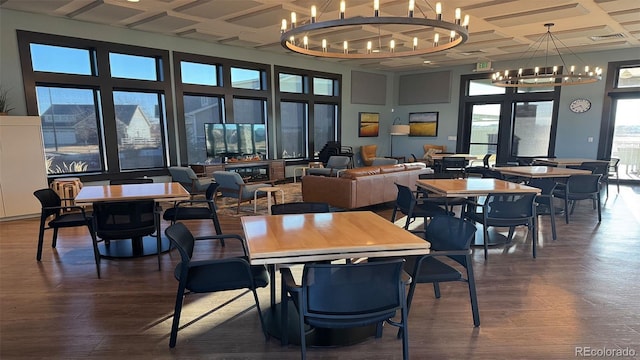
[188, 178]
[368, 154]
[232, 185]
[334, 164]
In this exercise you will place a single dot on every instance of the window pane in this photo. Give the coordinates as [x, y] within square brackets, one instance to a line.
[324, 125]
[534, 89]
[249, 111]
[200, 110]
[60, 59]
[139, 129]
[291, 83]
[245, 79]
[323, 87]
[199, 74]
[484, 129]
[293, 129]
[532, 128]
[626, 137]
[629, 77]
[133, 67]
[69, 129]
[484, 87]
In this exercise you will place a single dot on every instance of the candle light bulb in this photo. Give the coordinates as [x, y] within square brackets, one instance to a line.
[452, 35]
[392, 45]
[415, 43]
[293, 19]
[343, 7]
[439, 8]
[412, 5]
[465, 22]
[313, 14]
[520, 72]
[345, 46]
[536, 70]
[283, 28]
[586, 69]
[458, 15]
[555, 70]
[573, 68]
[305, 42]
[436, 39]
[369, 45]
[324, 44]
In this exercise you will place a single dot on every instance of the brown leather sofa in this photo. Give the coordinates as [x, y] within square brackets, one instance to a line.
[364, 186]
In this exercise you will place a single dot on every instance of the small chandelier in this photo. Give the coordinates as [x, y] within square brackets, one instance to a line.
[547, 75]
[307, 38]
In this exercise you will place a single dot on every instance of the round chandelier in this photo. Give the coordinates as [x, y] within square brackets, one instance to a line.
[407, 36]
[547, 75]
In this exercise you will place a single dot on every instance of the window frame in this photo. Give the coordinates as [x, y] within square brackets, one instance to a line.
[102, 81]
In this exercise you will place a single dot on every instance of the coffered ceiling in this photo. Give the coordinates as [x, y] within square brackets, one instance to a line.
[499, 29]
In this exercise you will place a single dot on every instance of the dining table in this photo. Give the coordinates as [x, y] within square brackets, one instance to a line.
[281, 240]
[171, 191]
[474, 188]
[563, 162]
[539, 172]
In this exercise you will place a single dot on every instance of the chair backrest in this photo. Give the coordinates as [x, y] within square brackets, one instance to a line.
[613, 164]
[546, 185]
[300, 208]
[48, 198]
[352, 290]
[338, 162]
[368, 153]
[509, 206]
[451, 162]
[329, 149]
[211, 190]
[596, 167]
[182, 239]
[228, 180]
[446, 233]
[124, 219]
[130, 181]
[486, 160]
[406, 199]
[583, 184]
[184, 175]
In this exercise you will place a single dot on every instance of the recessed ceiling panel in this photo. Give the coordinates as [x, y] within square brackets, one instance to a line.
[200, 35]
[163, 23]
[616, 5]
[261, 18]
[210, 9]
[632, 26]
[626, 15]
[599, 30]
[538, 16]
[236, 41]
[31, 6]
[104, 13]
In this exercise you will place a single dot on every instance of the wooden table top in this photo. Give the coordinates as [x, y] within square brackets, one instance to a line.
[564, 161]
[158, 191]
[540, 171]
[276, 239]
[473, 187]
[440, 156]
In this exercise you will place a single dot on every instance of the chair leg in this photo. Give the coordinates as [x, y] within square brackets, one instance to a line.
[534, 235]
[264, 328]
[96, 252]
[54, 241]
[566, 209]
[436, 289]
[485, 242]
[40, 239]
[472, 293]
[393, 214]
[176, 317]
[405, 333]
[599, 207]
[303, 338]
[552, 211]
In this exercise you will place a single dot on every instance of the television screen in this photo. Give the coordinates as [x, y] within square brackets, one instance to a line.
[230, 140]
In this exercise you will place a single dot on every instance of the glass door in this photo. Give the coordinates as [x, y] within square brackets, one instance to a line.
[626, 137]
[485, 121]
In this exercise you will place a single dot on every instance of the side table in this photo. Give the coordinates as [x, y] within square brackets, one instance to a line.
[269, 190]
[303, 169]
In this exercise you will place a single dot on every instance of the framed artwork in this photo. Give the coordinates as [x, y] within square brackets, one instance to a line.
[368, 124]
[423, 124]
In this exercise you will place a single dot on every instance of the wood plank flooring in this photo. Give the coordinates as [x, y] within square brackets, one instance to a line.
[581, 291]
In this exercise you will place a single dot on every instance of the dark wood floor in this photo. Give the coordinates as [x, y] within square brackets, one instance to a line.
[581, 291]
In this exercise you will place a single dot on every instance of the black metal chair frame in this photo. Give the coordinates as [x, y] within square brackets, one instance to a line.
[189, 210]
[414, 204]
[337, 301]
[544, 201]
[107, 228]
[204, 276]
[492, 207]
[451, 238]
[580, 187]
[62, 217]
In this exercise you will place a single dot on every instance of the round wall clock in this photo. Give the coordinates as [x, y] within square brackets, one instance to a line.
[580, 105]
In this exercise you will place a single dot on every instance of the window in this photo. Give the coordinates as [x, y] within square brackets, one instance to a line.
[306, 118]
[97, 124]
[628, 77]
[508, 122]
[221, 118]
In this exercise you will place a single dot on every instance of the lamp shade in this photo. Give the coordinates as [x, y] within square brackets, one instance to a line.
[399, 130]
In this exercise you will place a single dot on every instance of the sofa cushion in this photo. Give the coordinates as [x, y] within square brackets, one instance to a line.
[391, 168]
[362, 171]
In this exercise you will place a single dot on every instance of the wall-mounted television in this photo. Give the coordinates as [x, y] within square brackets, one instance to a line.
[231, 140]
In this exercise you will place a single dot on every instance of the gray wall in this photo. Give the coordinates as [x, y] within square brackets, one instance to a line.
[573, 129]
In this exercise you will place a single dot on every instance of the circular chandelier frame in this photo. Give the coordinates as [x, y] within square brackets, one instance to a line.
[291, 38]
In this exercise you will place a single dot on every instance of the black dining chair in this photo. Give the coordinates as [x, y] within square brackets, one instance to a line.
[614, 164]
[505, 210]
[211, 275]
[454, 165]
[408, 203]
[196, 210]
[55, 216]
[580, 187]
[122, 221]
[300, 208]
[450, 238]
[349, 295]
[544, 201]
